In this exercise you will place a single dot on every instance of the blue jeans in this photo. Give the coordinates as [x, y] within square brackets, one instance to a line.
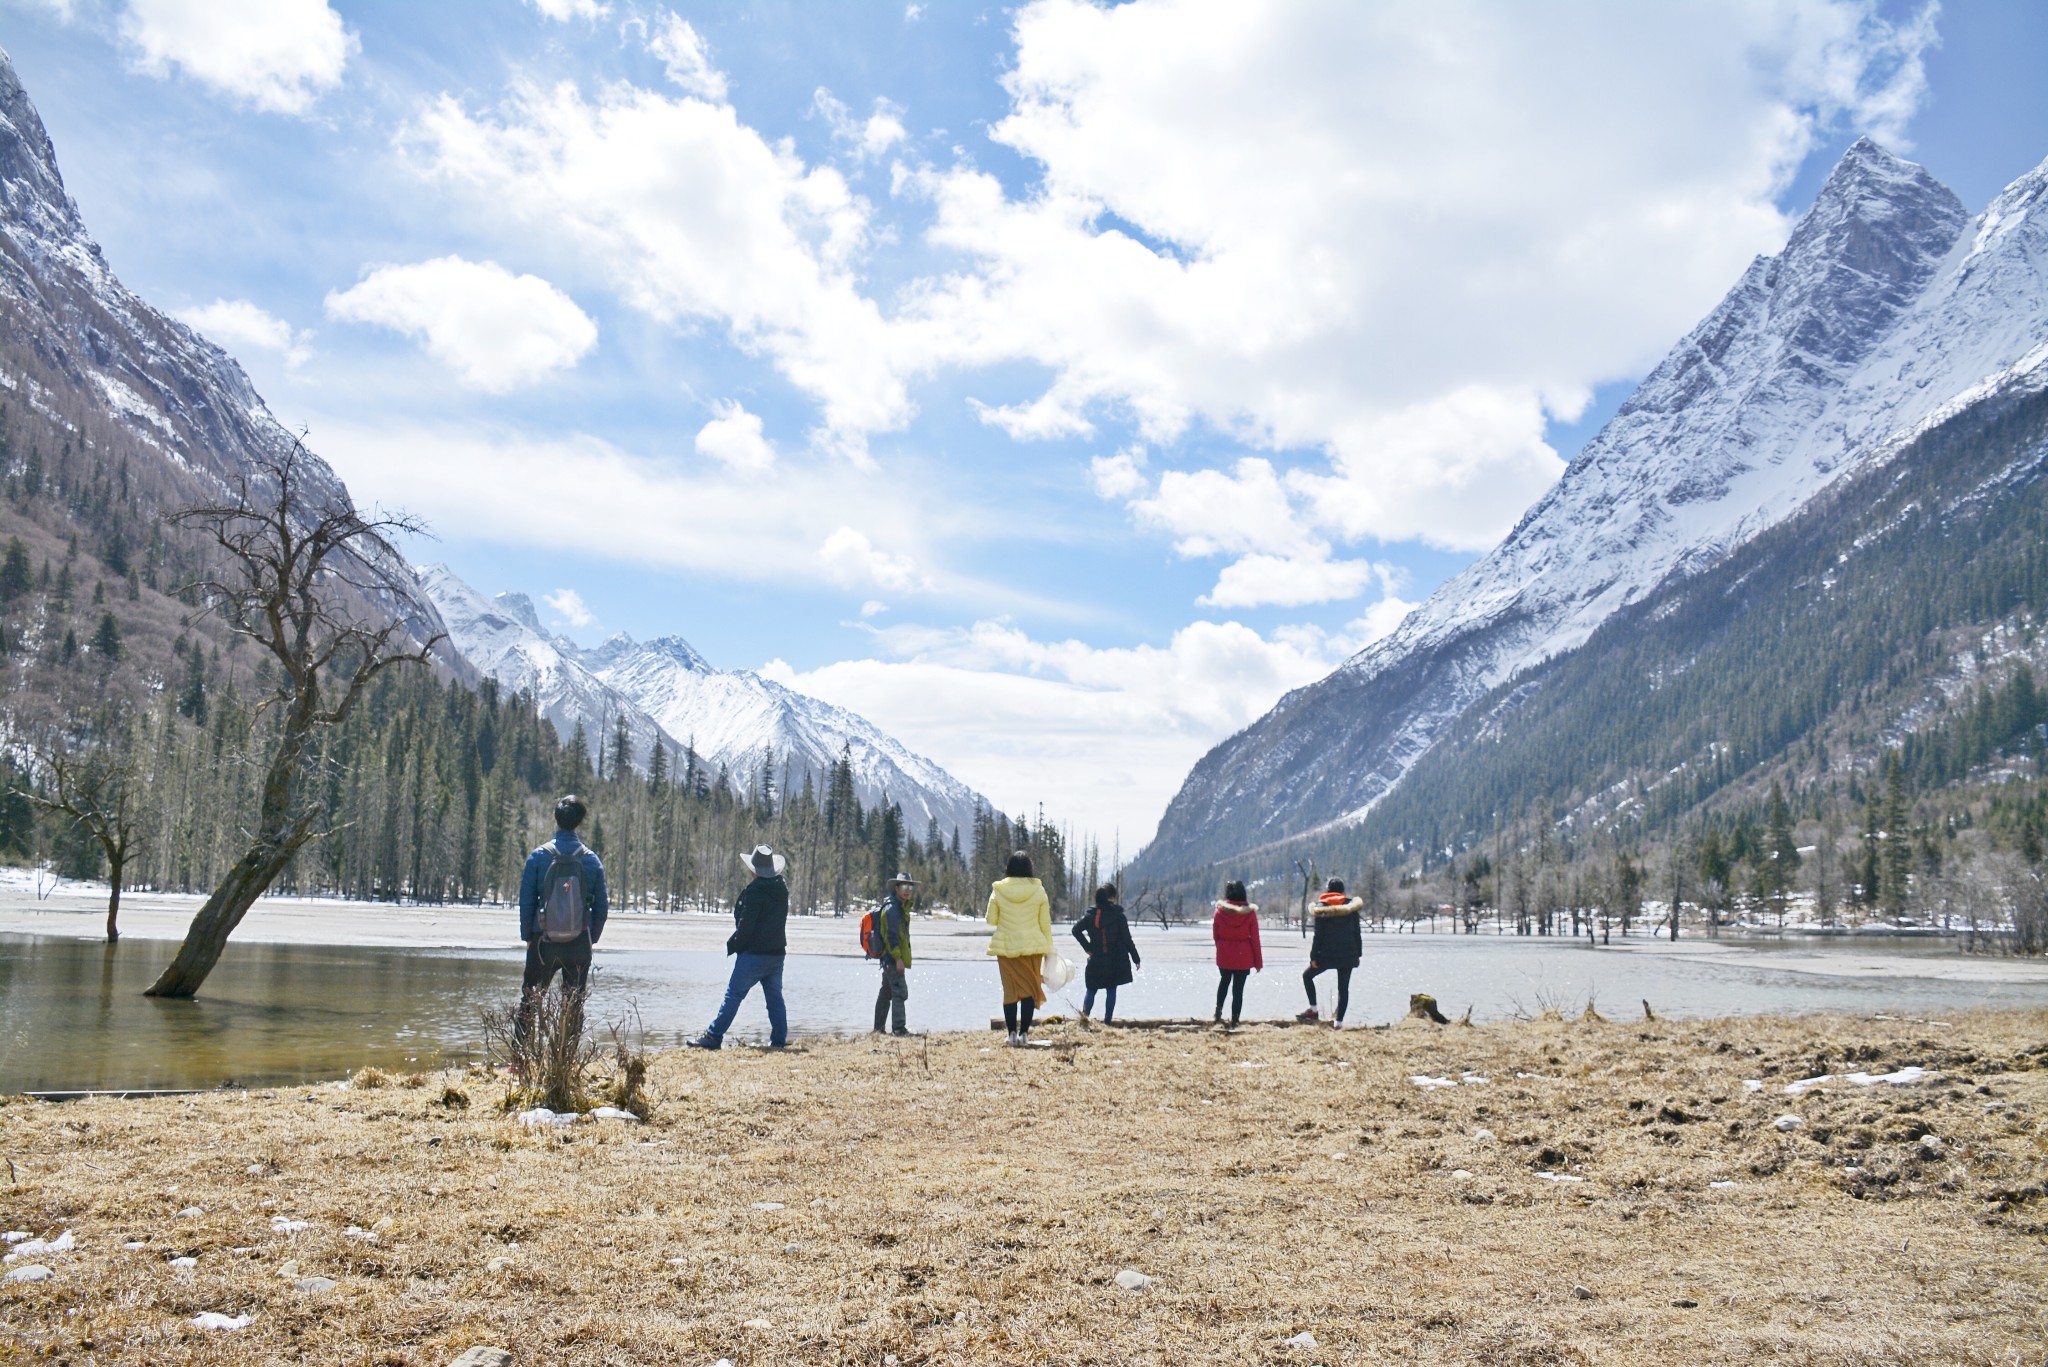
[748, 969]
[1108, 1004]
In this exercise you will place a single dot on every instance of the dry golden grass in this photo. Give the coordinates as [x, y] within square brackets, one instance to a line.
[942, 1201]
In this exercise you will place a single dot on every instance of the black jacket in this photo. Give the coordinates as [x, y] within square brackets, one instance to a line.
[1106, 935]
[1337, 943]
[759, 916]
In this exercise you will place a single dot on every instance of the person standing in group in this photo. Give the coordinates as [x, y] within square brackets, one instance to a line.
[1337, 945]
[562, 909]
[892, 947]
[758, 945]
[1022, 917]
[1236, 931]
[1105, 934]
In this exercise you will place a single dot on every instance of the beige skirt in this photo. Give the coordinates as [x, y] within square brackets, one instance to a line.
[1021, 978]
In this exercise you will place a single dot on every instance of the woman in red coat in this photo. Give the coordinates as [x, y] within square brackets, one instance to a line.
[1238, 956]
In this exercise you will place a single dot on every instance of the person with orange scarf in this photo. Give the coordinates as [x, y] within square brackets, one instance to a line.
[1337, 945]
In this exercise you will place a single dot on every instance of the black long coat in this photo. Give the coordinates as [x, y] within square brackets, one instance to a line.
[1106, 935]
[1337, 942]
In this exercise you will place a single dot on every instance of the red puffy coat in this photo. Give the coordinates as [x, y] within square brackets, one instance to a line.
[1236, 929]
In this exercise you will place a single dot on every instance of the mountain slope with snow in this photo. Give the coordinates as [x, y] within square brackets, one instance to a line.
[1888, 309]
[669, 694]
[81, 349]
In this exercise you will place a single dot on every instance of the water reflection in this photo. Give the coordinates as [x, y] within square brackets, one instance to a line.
[73, 1017]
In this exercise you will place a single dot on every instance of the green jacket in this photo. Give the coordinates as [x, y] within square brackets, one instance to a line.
[892, 927]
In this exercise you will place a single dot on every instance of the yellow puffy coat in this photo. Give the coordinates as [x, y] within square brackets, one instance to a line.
[1017, 908]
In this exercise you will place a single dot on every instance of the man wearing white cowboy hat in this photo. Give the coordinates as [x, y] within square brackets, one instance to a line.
[892, 947]
[758, 945]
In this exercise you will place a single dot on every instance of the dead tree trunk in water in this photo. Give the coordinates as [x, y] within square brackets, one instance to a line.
[300, 572]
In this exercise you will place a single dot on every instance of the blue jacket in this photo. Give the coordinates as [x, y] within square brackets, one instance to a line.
[536, 872]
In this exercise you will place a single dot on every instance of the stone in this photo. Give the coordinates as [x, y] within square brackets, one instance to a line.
[483, 1357]
[289, 1272]
[1130, 1279]
[1583, 1293]
[1788, 1123]
[28, 1272]
[315, 1286]
[1304, 1339]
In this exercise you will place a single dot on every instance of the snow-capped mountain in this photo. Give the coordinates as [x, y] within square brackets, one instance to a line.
[503, 639]
[670, 694]
[1889, 309]
[78, 346]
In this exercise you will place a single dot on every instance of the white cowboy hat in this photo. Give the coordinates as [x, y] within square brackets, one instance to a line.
[763, 862]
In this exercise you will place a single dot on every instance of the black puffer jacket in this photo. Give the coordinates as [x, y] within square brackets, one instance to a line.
[760, 915]
[1105, 933]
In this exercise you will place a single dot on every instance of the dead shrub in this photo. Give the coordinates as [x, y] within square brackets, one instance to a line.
[544, 1045]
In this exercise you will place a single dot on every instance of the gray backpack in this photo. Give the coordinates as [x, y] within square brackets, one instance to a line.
[564, 896]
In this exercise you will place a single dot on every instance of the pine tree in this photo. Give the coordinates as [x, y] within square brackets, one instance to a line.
[1896, 871]
[14, 571]
[106, 641]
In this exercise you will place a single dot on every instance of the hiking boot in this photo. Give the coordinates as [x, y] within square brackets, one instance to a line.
[1309, 1017]
[704, 1042]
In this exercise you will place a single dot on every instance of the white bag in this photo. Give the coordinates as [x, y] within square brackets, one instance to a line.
[1056, 972]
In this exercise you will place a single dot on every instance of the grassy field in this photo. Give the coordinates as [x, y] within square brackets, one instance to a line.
[1610, 1192]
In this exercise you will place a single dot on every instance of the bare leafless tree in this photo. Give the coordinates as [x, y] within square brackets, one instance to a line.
[320, 588]
[90, 773]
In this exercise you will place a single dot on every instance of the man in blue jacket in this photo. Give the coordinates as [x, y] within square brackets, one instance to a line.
[545, 957]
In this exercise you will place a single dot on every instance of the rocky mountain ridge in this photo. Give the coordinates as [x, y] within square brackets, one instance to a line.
[670, 695]
[1889, 309]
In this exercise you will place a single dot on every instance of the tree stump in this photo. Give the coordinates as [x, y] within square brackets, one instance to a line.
[1423, 1005]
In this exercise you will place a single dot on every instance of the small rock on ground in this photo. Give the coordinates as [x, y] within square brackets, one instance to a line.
[1132, 1280]
[483, 1357]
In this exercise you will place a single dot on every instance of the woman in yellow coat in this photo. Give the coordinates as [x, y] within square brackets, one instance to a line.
[1018, 909]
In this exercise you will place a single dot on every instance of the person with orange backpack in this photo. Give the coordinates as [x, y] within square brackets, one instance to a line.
[1105, 933]
[885, 935]
[562, 908]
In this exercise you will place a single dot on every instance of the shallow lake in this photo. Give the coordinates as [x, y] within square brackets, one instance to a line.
[73, 1017]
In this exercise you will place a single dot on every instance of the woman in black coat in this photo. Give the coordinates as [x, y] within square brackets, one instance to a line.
[1337, 944]
[1106, 935]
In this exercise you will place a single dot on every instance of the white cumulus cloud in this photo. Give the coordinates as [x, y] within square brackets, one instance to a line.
[735, 438]
[1290, 580]
[569, 605]
[234, 324]
[277, 55]
[495, 330]
[686, 55]
[851, 558]
[562, 11]
[693, 216]
[1383, 242]
[1102, 736]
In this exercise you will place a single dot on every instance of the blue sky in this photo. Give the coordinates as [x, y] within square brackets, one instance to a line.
[1057, 385]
